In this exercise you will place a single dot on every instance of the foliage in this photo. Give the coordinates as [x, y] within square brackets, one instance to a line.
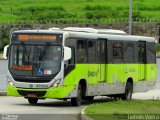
[97, 7]
[44, 10]
[4, 39]
[158, 47]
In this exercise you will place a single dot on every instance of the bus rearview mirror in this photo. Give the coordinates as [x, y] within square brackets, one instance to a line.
[5, 52]
[67, 53]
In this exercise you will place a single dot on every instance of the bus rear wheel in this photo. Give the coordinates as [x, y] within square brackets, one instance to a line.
[77, 100]
[33, 100]
[128, 91]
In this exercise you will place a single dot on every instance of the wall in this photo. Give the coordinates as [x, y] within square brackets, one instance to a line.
[151, 29]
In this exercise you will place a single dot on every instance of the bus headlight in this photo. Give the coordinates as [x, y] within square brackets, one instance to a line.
[56, 83]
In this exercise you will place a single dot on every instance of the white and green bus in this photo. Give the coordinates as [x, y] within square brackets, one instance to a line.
[79, 63]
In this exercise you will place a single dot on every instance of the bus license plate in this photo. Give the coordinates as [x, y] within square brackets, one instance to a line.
[32, 95]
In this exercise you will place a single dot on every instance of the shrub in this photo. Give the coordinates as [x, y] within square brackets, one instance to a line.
[97, 7]
[42, 8]
[101, 14]
[136, 15]
[4, 39]
[158, 47]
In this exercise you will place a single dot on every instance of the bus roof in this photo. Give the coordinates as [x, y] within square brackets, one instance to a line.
[92, 30]
[92, 34]
[112, 37]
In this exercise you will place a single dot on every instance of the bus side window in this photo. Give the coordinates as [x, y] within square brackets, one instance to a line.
[117, 52]
[82, 51]
[69, 65]
[151, 53]
[72, 60]
[91, 51]
[129, 52]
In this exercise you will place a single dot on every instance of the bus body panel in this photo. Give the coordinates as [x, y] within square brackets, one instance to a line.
[103, 77]
[59, 92]
[98, 88]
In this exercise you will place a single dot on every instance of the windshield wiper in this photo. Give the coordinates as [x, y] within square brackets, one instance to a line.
[27, 53]
[44, 52]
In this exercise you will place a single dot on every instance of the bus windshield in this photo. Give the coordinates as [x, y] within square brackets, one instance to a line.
[35, 60]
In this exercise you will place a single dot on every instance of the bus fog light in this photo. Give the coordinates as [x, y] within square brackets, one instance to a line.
[9, 82]
[56, 83]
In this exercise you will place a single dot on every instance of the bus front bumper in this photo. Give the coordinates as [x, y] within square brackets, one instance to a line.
[58, 92]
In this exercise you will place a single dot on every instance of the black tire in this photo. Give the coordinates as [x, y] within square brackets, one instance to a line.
[118, 97]
[33, 100]
[78, 100]
[89, 98]
[128, 92]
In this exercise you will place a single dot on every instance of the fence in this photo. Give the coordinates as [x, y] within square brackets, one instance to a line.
[139, 28]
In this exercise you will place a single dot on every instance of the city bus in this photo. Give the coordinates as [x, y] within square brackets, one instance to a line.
[79, 63]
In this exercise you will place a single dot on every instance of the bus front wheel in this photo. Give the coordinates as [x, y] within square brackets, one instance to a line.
[33, 100]
[77, 100]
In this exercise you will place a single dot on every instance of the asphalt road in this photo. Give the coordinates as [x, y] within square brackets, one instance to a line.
[49, 109]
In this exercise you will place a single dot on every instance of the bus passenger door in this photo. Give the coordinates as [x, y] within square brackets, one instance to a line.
[142, 60]
[101, 58]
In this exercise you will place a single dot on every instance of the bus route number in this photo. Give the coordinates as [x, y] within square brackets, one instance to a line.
[41, 86]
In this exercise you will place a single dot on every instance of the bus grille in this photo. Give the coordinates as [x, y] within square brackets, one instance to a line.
[38, 93]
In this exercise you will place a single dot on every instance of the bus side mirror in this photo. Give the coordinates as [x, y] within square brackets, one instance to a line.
[5, 52]
[67, 53]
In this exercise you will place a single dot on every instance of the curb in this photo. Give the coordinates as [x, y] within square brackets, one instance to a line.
[3, 93]
[83, 116]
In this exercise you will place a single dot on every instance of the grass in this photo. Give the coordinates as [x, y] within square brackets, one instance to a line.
[72, 9]
[118, 110]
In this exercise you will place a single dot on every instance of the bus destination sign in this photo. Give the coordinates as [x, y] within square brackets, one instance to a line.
[36, 37]
[24, 37]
